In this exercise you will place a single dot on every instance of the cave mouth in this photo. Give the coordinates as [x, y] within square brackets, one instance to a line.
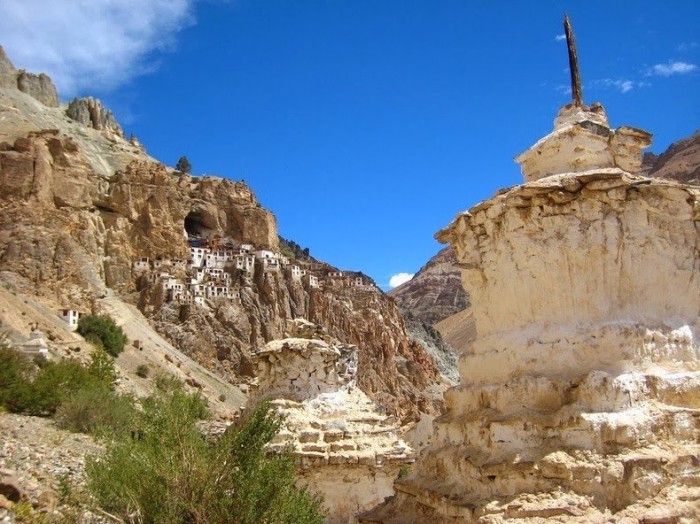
[196, 225]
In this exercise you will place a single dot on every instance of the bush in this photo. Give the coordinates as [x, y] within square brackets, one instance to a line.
[54, 383]
[97, 410]
[15, 380]
[170, 473]
[142, 370]
[183, 165]
[102, 330]
[26, 388]
[101, 368]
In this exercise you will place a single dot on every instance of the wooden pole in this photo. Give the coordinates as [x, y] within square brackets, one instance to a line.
[576, 90]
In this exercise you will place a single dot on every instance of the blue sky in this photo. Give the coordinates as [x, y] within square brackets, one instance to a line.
[365, 126]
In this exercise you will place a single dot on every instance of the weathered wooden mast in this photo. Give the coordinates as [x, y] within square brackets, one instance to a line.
[576, 91]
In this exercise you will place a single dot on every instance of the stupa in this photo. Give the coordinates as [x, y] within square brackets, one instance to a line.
[579, 399]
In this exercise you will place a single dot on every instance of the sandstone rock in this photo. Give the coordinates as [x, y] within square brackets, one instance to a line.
[38, 86]
[5, 503]
[90, 112]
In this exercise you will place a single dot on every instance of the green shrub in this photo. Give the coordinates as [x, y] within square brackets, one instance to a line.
[103, 329]
[15, 380]
[142, 370]
[26, 388]
[97, 410]
[54, 383]
[170, 473]
[101, 368]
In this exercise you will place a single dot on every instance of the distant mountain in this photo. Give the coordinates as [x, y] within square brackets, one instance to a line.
[681, 161]
[435, 292]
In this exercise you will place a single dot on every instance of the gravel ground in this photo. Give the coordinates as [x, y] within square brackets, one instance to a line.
[46, 460]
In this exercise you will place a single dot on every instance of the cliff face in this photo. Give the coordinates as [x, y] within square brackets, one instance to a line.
[38, 86]
[579, 397]
[393, 369]
[433, 294]
[66, 230]
[80, 204]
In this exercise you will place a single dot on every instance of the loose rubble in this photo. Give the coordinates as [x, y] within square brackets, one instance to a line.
[40, 465]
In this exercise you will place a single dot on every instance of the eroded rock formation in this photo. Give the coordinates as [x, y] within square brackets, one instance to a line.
[347, 450]
[579, 397]
[90, 112]
[38, 86]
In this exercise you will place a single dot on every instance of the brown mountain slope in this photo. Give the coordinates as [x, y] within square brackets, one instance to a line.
[435, 292]
[458, 330]
[681, 161]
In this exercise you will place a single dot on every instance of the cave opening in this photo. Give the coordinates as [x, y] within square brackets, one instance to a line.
[196, 225]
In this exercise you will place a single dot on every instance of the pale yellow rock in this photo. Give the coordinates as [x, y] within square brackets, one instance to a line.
[579, 398]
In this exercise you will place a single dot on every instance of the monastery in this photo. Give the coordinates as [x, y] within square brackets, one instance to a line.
[217, 269]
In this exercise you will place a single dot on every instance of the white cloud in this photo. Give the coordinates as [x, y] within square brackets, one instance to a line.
[564, 89]
[560, 38]
[672, 68]
[687, 46]
[399, 278]
[95, 44]
[623, 86]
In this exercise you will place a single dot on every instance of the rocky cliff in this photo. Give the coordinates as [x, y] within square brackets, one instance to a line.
[38, 86]
[80, 205]
[433, 294]
[579, 397]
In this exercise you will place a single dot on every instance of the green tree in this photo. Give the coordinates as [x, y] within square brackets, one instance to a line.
[183, 165]
[101, 330]
[102, 368]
